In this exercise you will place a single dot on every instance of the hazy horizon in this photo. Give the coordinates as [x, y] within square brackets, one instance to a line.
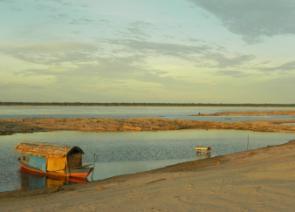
[198, 104]
[169, 51]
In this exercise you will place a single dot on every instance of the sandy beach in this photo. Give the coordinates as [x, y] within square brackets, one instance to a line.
[257, 180]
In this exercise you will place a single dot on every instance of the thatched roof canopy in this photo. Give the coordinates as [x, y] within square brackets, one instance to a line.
[47, 150]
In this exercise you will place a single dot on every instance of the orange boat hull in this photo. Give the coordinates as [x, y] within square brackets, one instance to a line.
[77, 175]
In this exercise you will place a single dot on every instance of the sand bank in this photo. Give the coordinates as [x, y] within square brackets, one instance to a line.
[10, 126]
[257, 180]
[250, 113]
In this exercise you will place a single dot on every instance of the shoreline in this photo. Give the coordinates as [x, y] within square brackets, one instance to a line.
[261, 175]
[30, 125]
[250, 113]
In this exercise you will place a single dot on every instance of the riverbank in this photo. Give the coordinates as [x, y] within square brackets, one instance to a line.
[11, 126]
[250, 113]
[261, 180]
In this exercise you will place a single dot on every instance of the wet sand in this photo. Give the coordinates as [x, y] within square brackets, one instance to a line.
[257, 180]
[10, 126]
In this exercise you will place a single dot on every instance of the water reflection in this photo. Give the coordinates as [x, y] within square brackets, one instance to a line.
[203, 155]
[129, 152]
[31, 182]
[102, 171]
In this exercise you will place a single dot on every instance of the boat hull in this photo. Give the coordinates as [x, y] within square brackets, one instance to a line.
[75, 175]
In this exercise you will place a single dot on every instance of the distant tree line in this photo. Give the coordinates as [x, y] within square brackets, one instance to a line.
[143, 104]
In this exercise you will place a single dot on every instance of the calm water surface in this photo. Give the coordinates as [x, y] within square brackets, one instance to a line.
[137, 111]
[128, 152]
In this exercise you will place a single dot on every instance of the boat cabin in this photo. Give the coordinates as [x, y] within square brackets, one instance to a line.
[50, 158]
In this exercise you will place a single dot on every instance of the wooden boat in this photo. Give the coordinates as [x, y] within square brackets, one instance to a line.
[203, 149]
[62, 162]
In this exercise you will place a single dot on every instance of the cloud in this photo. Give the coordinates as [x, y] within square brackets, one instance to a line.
[51, 53]
[112, 67]
[286, 67]
[81, 21]
[128, 59]
[224, 61]
[161, 48]
[138, 30]
[75, 52]
[9, 80]
[197, 53]
[253, 19]
[230, 73]
[124, 68]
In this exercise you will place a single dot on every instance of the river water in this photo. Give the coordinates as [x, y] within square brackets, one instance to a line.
[120, 153]
[128, 152]
[136, 111]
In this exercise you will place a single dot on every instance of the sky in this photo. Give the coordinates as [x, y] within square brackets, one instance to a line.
[180, 51]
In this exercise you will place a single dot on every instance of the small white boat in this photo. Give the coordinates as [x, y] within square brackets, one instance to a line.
[203, 149]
